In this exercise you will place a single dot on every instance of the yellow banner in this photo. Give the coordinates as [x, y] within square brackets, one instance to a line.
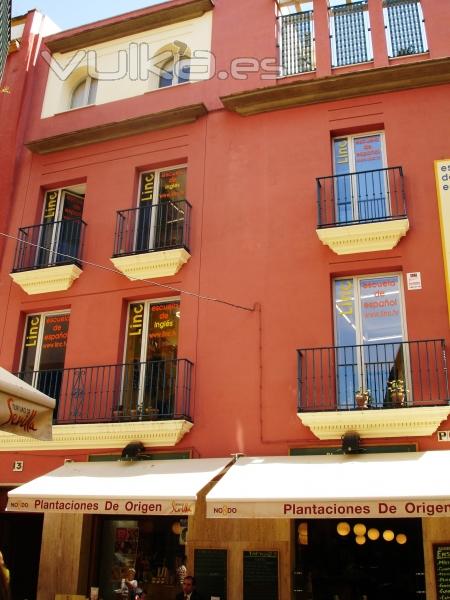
[442, 171]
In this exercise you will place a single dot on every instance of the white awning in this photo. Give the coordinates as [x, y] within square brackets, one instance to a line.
[161, 487]
[409, 484]
[24, 410]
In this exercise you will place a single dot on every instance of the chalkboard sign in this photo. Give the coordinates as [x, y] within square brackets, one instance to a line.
[441, 553]
[261, 575]
[210, 569]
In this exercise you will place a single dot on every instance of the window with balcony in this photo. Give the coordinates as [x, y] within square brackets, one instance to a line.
[369, 330]
[350, 32]
[158, 227]
[56, 243]
[43, 351]
[362, 206]
[405, 29]
[152, 371]
[296, 37]
[84, 93]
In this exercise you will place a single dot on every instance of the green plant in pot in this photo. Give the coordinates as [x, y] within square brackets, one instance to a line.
[397, 392]
[363, 398]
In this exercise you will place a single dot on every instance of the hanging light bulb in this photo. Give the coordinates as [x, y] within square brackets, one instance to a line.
[359, 529]
[360, 539]
[401, 538]
[373, 534]
[343, 528]
[388, 535]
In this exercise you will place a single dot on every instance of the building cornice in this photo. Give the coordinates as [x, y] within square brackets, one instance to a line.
[111, 131]
[287, 93]
[118, 27]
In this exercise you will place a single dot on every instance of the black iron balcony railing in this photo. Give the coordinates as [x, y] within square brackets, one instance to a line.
[297, 43]
[162, 226]
[363, 197]
[49, 245]
[404, 27]
[350, 34]
[387, 375]
[128, 392]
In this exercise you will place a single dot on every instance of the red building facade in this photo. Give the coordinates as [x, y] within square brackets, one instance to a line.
[232, 246]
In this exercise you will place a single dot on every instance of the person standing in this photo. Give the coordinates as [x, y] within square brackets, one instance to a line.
[189, 592]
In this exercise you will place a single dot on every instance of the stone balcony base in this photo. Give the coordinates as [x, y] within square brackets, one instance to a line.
[48, 279]
[150, 265]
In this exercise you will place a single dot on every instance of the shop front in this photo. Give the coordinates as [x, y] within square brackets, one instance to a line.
[362, 527]
[101, 518]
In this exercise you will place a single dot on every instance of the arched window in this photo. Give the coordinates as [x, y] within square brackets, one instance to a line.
[85, 93]
[175, 69]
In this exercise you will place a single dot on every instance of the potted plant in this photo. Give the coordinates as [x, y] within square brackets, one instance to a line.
[363, 398]
[397, 392]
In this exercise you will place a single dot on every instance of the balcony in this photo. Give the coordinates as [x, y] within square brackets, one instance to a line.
[152, 241]
[297, 43]
[405, 385]
[362, 212]
[47, 257]
[405, 31]
[350, 34]
[106, 406]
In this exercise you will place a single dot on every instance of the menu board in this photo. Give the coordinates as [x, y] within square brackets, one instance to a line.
[260, 575]
[441, 555]
[210, 567]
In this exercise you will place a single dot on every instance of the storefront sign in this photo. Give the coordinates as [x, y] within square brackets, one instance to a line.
[101, 506]
[329, 510]
[442, 172]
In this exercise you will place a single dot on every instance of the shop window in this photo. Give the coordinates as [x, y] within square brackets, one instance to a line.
[153, 546]
[369, 331]
[84, 93]
[150, 372]
[349, 558]
[43, 351]
[361, 178]
[160, 217]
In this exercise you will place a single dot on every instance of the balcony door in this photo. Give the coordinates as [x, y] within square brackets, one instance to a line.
[361, 182]
[149, 376]
[60, 231]
[44, 350]
[160, 214]
[369, 331]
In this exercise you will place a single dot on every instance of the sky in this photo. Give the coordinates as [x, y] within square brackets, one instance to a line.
[72, 14]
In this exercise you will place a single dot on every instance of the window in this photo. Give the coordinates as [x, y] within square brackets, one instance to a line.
[361, 180]
[405, 30]
[369, 330]
[85, 93]
[61, 230]
[43, 351]
[151, 348]
[350, 33]
[174, 71]
[160, 217]
[296, 37]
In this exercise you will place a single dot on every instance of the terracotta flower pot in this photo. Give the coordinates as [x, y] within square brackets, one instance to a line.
[361, 400]
[398, 399]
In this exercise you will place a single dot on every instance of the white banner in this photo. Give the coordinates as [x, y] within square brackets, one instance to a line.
[328, 510]
[97, 506]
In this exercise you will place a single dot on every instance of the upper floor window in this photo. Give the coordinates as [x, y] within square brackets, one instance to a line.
[361, 180]
[405, 30]
[350, 32]
[85, 93]
[173, 64]
[296, 31]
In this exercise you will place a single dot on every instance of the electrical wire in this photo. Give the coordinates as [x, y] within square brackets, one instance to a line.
[147, 281]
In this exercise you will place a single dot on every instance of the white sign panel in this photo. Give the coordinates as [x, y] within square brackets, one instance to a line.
[414, 281]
